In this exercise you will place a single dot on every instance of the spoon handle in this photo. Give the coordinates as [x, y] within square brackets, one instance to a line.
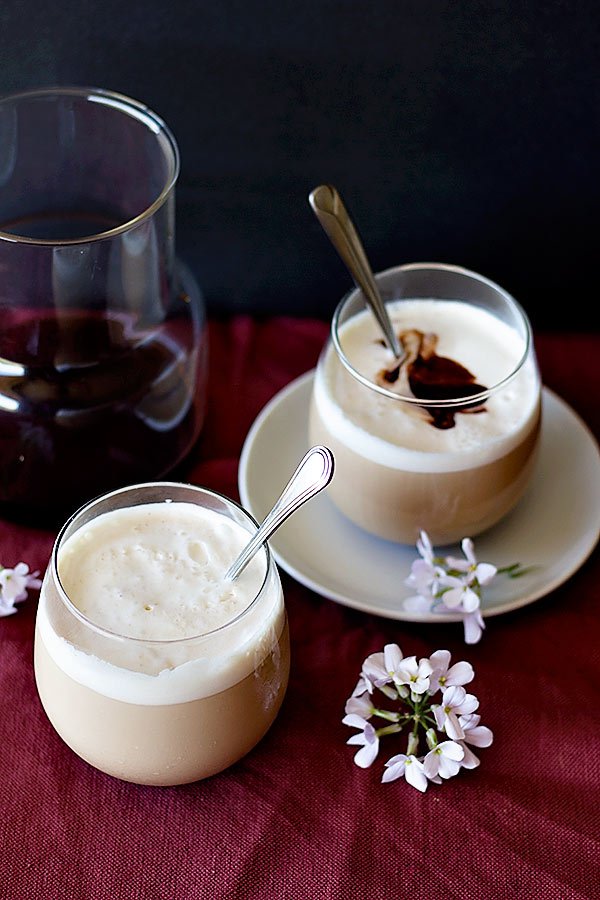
[336, 222]
[314, 472]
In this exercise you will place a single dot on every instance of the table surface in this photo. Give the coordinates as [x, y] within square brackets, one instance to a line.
[296, 818]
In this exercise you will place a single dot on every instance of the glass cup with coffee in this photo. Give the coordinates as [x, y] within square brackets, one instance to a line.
[443, 439]
[149, 664]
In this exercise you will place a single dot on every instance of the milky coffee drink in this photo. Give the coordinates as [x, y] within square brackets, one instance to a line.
[452, 457]
[151, 667]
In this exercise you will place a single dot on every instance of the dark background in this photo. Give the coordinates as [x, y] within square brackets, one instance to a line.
[456, 132]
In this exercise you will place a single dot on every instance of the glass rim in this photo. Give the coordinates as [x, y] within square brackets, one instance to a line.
[131, 107]
[152, 642]
[447, 402]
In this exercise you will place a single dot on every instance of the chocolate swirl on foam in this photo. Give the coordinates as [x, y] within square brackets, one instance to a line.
[432, 377]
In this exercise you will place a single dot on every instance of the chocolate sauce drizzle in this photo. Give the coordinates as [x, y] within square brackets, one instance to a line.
[433, 377]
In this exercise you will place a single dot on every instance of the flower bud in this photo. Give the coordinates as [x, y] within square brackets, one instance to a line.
[413, 744]
[431, 738]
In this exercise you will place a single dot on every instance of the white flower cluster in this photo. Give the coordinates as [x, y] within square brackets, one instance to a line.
[449, 584]
[413, 684]
[14, 584]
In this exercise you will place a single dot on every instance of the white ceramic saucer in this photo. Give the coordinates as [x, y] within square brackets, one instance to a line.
[554, 528]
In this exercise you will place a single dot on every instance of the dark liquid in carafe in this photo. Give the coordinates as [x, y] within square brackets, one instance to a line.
[87, 405]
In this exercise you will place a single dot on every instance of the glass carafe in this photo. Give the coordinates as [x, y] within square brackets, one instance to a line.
[102, 329]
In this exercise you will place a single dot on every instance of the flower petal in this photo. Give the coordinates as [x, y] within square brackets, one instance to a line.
[425, 668]
[473, 627]
[360, 706]
[469, 760]
[461, 565]
[394, 767]
[451, 750]
[448, 767]
[460, 673]
[468, 549]
[420, 685]
[470, 600]
[452, 727]
[431, 764]
[484, 572]
[354, 721]
[468, 705]
[440, 660]
[470, 721]
[480, 736]
[392, 657]
[454, 695]
[361, 687]
[421, 577]
[452, 598]
[414, 774]
[367, 755]
[440, 715]
[373, 669]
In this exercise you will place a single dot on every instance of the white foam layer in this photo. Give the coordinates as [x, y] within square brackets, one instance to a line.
[154, 573]
[397, 435]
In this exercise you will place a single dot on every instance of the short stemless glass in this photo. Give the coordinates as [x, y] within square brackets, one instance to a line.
[445, 442]
[102, 329]
[161, 712]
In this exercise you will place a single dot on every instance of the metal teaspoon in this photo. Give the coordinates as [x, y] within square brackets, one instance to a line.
[333, 216]
[314, 472]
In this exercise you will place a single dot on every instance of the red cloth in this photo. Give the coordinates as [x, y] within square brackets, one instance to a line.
[296, 818]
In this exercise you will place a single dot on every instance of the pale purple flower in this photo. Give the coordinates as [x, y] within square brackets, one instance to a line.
[411, 683]
[374, 671]
[366, 738]
[372, 674]
[443, 675]
[463, 592]
[14, 584]
[426, 572]
[452, 584]
[423, 578]
[475, 734]
[482, 572]
[443, 760]
[455, 702]
[459, 594]
[414, 674]
[408, 766]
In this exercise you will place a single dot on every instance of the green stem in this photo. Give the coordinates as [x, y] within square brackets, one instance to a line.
[389, 716]
[388, 729]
